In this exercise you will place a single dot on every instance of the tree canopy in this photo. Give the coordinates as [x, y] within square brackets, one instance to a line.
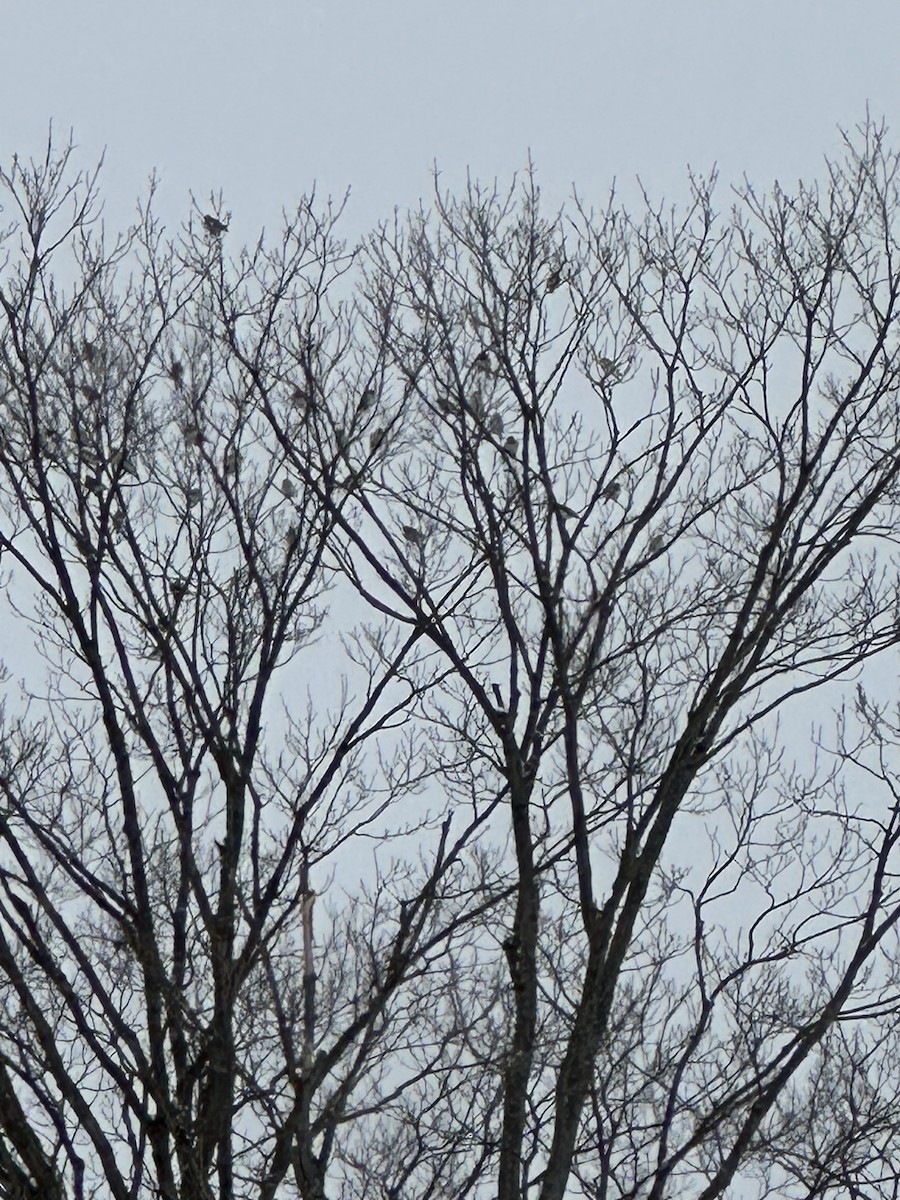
[455, 753]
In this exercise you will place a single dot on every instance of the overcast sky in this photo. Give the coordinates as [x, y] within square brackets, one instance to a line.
[264, 99]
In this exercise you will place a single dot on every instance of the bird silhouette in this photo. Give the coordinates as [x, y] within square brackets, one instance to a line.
[178, 586]
[213, 225]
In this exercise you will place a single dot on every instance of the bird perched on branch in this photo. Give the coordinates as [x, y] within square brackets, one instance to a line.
[567, 512]
[213, 225]
[414, 536]
[367, 399]
[178, 586]
[121, 462]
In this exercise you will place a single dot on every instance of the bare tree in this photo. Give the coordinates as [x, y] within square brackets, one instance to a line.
[412, 791]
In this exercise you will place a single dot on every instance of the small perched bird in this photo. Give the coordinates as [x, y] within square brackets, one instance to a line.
[413, 535]
[656, 543]
[300, 398]
[495, 426]
[611, 491]
[376, 438]
[367, 399]
[176, 372]
[554, 279]
[511, 445]
[88, 351]
[231, 461]
[193, 496]
[93, 485]
[213, 225]
[288, 488]
[193, 436]
[178, 586]
[482, 362]
[121, 462]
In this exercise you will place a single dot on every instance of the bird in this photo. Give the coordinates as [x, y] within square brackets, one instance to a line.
[554, 279]
[231, 461]
[193, 495]
[193, 436]
[288, 488]
[495, 426]
[93, 485]
[213, 225]
[376, 438]
[482, 361]
[178, 586]
[611, 491]
[121, 462]
[413, 535]
[367, 399]
[88, 351]
[176, 372]
[511, 445]
[300, 398]
[656, 543]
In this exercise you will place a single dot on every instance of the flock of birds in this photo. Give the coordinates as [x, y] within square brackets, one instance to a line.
[492, 424]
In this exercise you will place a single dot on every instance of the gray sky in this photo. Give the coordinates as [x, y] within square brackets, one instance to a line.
[263, 99]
